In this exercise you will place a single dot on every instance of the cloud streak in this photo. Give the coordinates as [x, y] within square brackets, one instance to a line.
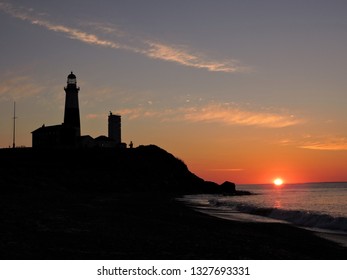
[216, 113]
[328, 144]
[19, 87]
[180, 56]
[232, 115]
[72, 33]
[148, 48]
[227, 169]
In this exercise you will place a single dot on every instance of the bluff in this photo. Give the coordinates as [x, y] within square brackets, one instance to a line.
[145, 168]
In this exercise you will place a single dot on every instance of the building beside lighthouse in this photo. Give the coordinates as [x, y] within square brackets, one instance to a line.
[114, 128]
[68, 134]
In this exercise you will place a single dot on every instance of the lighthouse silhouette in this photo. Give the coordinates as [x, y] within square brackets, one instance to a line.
[72, 111]
[68, 134]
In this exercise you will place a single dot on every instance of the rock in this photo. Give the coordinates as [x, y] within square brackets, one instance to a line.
[228, 187]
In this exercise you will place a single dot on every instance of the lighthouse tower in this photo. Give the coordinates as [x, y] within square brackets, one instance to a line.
[72, 112]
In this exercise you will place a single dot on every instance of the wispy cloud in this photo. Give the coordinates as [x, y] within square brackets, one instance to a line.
[93, 116]
[19, 87]
[233, 115]
[142, 112]
[227, 169]
[326, 144]
[181, 56]
[316, 142]
[216, 113]
[124, 41]
[72, 33]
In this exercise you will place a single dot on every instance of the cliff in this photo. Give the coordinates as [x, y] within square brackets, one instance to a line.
[145, 168]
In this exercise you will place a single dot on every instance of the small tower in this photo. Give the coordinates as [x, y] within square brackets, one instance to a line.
[72, 112]
[114, 128]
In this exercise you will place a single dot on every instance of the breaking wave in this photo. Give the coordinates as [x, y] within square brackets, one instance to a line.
[297, 217]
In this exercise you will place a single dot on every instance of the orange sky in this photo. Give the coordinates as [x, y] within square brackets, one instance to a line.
[245, 91]
[236, 153]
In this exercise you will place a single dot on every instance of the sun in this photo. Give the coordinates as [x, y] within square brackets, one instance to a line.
[278, 182]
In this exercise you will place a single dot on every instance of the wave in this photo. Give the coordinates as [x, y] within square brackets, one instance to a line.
[297, 217]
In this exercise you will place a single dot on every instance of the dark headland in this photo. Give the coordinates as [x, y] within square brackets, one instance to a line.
[121, 204]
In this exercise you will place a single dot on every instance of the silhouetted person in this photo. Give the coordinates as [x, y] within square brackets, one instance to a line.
[131, 145]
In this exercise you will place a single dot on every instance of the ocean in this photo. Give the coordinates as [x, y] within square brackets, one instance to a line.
[321, 207]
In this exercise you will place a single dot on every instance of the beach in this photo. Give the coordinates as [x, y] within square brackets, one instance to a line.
[55, 224]
[125, 205]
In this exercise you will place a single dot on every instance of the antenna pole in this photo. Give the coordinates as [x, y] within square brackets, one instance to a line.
[14, 125]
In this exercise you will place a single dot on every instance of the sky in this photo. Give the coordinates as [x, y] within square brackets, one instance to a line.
[245, 91]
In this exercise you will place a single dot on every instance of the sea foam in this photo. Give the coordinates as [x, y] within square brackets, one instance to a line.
[302, 218]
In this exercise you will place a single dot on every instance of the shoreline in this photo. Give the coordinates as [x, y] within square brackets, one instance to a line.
[339, 238]
[86, 225]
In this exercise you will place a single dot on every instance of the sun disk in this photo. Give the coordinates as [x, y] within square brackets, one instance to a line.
[278, 182]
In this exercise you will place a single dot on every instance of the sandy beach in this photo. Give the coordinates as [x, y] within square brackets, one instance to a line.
[41, 224]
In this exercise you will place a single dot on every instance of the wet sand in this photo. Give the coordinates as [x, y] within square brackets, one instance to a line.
[340, 239]
[60, 224]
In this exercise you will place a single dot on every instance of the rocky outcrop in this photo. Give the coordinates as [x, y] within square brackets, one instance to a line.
[228, 187]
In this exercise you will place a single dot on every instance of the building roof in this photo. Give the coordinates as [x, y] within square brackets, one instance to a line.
[48, 128]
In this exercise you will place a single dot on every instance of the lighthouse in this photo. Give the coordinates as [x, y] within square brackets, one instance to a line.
[68, 134]
[72, 111]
